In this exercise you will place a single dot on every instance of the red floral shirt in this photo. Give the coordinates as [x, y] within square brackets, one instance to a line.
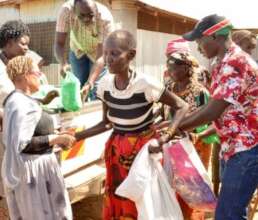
[235, 80]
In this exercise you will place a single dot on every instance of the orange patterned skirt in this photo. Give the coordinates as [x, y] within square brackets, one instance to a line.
[120, 152]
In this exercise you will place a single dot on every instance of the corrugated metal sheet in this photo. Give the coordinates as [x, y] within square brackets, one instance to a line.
[8, 13]
[8, 2]
[40, 11]
[42, 39]
[52, 73]
[36, 11]
[151, 47]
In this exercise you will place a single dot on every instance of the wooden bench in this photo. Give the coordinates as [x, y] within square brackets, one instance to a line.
[86, 181]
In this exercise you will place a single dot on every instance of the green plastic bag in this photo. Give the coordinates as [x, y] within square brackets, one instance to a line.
[70, 92]
[214, 138]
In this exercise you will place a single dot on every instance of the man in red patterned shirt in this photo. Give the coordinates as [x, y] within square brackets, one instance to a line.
[234, 109]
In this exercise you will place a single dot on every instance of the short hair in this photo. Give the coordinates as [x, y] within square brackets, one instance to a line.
[19, 66]
[241, 35]
[12, 30]
[124, 38]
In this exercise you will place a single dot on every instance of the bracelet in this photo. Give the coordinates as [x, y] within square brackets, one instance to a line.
[170, 132]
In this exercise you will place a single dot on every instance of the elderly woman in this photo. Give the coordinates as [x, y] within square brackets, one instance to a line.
[33, 182]
[183, 71]
[180, 45]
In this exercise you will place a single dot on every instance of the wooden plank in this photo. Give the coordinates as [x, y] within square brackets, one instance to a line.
[98, 162]
[85, 183]
[168, 13]
[9, 2]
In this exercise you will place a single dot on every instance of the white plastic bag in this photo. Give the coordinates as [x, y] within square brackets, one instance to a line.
[148, 186]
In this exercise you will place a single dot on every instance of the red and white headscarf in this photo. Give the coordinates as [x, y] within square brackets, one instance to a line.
[177, 46]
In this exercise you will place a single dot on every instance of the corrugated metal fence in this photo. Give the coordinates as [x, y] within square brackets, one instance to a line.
[151, 47]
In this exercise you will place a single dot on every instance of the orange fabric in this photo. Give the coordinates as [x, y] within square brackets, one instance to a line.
[189, 213]
[204, 152]
[119, 155]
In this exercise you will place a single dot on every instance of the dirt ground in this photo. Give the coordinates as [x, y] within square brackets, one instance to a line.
[91, 209]
[88, 209]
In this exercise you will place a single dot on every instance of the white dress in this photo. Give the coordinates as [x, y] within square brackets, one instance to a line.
[34, 185]
[6, 86]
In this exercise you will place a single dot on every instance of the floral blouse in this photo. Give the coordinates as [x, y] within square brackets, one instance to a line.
[235, 80]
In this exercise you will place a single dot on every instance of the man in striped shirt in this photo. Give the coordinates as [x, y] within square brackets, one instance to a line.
[87, 23]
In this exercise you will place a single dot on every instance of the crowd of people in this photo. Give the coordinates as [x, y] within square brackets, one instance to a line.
[218, 108]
